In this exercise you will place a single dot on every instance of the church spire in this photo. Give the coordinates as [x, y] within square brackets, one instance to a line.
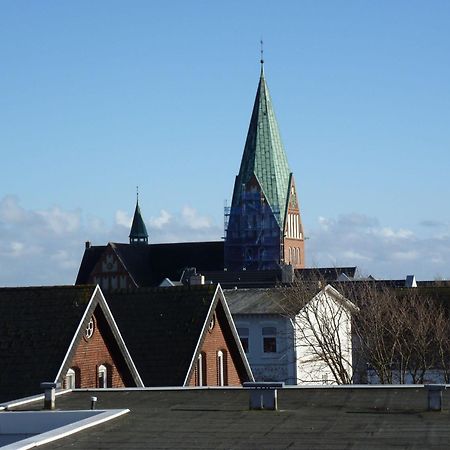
[264, 156]
[263, 229]
[138, 233]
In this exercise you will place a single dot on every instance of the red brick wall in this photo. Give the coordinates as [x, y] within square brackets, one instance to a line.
[294, 243]
[215, 341]
[91, 353]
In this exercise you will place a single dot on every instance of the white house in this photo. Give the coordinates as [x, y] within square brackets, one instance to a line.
[293, 339]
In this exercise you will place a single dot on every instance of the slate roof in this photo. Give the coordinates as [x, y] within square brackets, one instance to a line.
[280, 300]
[40, 328]
[264, 155]
[255, 301]
[244, 278]
[325, 273]
[272, 278]
[150, 264]
[91, 255]
[162, 327]
[37, 325]
[374, 417]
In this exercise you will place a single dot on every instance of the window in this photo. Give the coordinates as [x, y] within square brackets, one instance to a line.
[201, 370]
[70, 380]
[221, 368]
[89, 331]
[212, 323]
[102, 376]
[243, 335]
[269, 339]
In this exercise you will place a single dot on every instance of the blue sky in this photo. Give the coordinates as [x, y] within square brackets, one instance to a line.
[98, 97]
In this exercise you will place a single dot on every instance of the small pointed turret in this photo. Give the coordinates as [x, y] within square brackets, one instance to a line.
[138, 233]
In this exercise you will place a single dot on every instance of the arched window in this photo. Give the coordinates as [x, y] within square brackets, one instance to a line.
[102, 376]
[201, 370]
[221, 368]
[70, 379]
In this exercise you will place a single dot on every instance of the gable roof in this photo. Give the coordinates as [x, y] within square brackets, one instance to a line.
[264, 156]
[275, 300]
[164, 329]
[91, 255]
[149, 264]
[39, 330]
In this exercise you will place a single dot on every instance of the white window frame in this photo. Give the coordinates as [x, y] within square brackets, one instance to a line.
[220, 369]
[102, 374]
[70, 379]
[201, 369]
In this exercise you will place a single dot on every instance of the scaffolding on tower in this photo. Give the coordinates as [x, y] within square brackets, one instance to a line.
[252, 234]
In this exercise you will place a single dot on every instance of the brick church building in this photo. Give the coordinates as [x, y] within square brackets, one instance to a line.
[263, 227]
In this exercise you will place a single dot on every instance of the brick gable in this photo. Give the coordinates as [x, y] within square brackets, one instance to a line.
[218, 339]
[99, 349]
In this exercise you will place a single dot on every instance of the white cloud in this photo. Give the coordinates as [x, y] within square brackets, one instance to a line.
[162, 220]
[380, 250]
[193, 220]
[123, 219]
[46, 246]
[60, 222]
[10, 211]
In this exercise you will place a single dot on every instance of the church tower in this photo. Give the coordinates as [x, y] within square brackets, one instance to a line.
[263, 228]
[138, 232]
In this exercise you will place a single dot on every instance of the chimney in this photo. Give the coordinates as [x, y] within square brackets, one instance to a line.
[87, 245]
[49, 394]
[410, 281]
[263, 395]
[196, 280]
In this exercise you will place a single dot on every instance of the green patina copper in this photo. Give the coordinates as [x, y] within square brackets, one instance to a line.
[264, 155]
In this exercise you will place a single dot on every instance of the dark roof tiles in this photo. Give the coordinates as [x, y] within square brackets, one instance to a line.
[37, 325]
[161, 328]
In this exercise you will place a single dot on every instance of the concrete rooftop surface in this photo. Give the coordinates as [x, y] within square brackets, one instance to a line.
[219, 418]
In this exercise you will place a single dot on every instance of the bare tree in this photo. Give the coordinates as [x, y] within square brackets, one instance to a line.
[403, 334]
[321, 318]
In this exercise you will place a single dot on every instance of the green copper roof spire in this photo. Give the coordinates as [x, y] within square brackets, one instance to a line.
[138, 233]
[264, 156]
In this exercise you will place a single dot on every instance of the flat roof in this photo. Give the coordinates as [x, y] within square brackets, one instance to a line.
[319, 418]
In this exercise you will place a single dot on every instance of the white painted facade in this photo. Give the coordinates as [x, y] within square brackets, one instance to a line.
[294, 360]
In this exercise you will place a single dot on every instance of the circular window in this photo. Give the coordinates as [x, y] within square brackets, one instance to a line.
[89, 329]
